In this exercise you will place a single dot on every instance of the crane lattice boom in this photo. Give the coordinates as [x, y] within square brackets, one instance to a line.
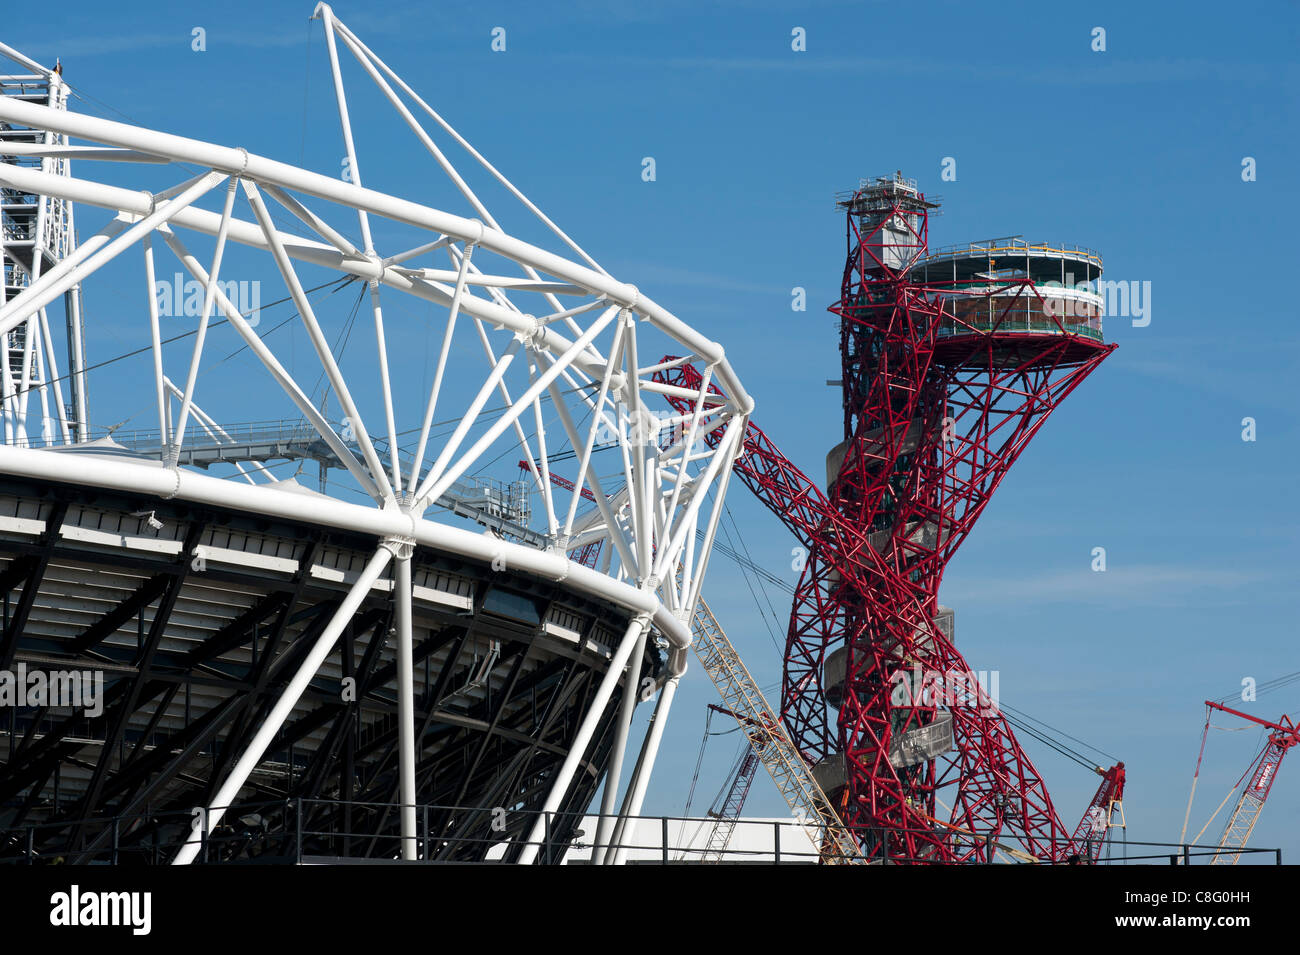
[1250, 803]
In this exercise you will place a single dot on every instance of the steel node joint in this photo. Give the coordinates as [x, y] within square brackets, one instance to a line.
[402, 548]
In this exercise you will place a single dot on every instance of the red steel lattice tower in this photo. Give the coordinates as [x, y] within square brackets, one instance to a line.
[952, 361]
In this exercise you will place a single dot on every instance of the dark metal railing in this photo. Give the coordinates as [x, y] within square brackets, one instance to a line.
[316, 831]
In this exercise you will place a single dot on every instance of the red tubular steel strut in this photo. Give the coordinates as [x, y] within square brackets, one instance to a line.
[936, 409]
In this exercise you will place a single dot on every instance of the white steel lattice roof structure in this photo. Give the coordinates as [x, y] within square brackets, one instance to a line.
[560, 338]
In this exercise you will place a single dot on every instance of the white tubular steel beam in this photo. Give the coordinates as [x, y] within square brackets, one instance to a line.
[578, 748]
[409, 254]
[587, 475]
[449, 332]
[386, 384]
[692, 594]
[278, 372]
[644, 768]
[344, 120]
[524, 444]
[435, 484]
[28, 63]
[124, 475]
[397, 104]
[214, 274]
[81, 152]
[464, 144]
[689, 440]
[405, 708]
[308, 316]
[425, 139]
[584, 463]
[631, 690]
[155, 336]
[543, 458]
[723, 455]
[214, 431]
[510, 282]
[467, 420]
[52, 366]
[312, 221]
[58, 281]
[240, 772]
[304, 250]
[240, 162]
[640, 448]
[77, 371]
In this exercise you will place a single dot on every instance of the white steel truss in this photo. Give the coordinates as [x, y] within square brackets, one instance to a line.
[564, 344]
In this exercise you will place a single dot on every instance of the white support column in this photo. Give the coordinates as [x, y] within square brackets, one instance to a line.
[631, 688]
[25, 378]
[10, 401]
[644, 767]
[76, 358]
[288, 699]
[405, 704]
[6, 385]
[578, 748]
[42, 386]
[640, 447]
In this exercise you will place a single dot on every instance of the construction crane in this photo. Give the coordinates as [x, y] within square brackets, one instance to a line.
[769, 741]
[727, 811]
[1099, 818]
[1283, 735]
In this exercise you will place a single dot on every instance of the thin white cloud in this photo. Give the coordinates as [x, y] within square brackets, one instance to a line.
[1118, 74]
[648, 274]
[1119, 586]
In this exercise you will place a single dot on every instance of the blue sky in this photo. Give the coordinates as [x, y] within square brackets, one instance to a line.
[1136, 151]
